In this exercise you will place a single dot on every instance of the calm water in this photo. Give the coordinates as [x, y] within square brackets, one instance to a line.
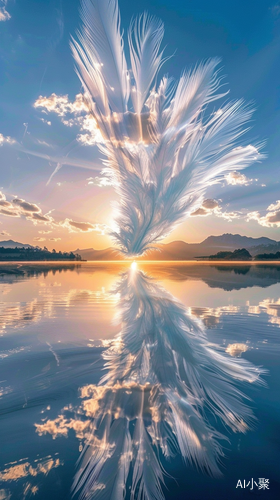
[164, 378]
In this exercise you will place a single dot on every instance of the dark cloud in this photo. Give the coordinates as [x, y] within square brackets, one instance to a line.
[200, 211]
[210, 204]
[82, 226]
[40, 217]
[24, 205]
[9, 213]
[274, 218]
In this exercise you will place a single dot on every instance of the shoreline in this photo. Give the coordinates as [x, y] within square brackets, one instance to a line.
[140, 262]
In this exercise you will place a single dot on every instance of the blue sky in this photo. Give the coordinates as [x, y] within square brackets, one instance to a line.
[36, 60]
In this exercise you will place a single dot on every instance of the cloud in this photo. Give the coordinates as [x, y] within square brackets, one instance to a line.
[19, 207]
[48, 122]
[74, 226]
[5, 233]
[24, 205]
[212, 207]
[44, 232]
[236, 349]
[236, 178]
[54, 239]
[39, 238]
[60, 427]
[25, 469]
[61, 104]
[100, 181]
[206, 208]
[7, 139]
[4, 15]
[270, 219]
[63, 108]
[201, 211]
[210, 204]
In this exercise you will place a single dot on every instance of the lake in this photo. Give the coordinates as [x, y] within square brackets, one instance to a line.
[156, 380]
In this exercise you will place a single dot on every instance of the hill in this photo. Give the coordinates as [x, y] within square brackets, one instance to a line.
[14, 244]
[180, 250]
[235, 240]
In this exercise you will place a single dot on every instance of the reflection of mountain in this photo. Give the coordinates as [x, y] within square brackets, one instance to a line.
[227, 277]
[164, 383]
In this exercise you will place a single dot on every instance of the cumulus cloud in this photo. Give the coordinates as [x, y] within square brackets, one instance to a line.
[100, 181]
[236, 178]
[212, 207]
[18, 207]
[4, 15]
[7, 139]
[85, 227]
[25, 206]
[236, 349]
[270, 219]
[61, 104]
[79, 109]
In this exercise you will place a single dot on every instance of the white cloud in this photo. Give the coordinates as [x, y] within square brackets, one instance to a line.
[4, 15]
[63, 108]
[39, 238]
[61, 104]
[270, 219]
[236, 178]
[6, 140]
[236, 349]
[100, 181]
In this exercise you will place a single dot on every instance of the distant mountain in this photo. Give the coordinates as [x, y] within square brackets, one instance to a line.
[106, 254]
[235, 240]
[178, 250]
[14, 244]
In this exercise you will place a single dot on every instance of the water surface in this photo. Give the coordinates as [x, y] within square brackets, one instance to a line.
[168, 372]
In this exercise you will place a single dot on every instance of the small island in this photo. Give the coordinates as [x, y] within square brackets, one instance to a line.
[35, 254]
[240, 254]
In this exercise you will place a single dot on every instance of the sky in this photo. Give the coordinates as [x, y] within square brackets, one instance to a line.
[44, 126]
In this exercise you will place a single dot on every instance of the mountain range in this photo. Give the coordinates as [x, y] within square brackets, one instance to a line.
[178, 250]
